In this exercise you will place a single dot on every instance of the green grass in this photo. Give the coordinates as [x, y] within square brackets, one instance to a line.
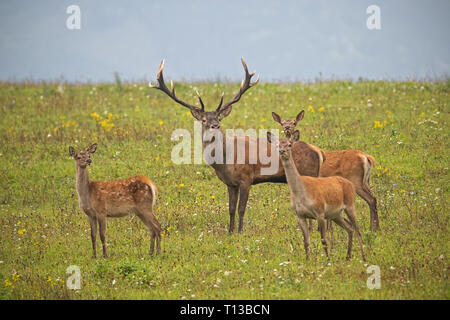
[42, 230]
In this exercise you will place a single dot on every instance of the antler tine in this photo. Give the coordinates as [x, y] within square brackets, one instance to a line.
[200, 99]
[245, 85]
[221, 101]
[171, 93]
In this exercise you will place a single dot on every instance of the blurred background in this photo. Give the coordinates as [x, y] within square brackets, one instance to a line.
[299, 40]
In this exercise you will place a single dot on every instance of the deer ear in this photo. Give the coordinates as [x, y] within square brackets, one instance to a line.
[295, 136]
[92, 148]
[225, 112]
[72, 152]
[300, 116]
[196, 114]
[276, 117]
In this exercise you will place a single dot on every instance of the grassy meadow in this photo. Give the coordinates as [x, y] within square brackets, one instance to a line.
[404, 125]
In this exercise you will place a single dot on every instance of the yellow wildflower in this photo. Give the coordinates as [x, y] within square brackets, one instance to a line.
[311, 109]
[377, 124]
[321, 109]
[9, 284]
[21, 231]
[96, 116]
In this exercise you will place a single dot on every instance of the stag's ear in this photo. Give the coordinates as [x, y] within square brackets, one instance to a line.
[300, 116]
[72, 152]
[276, 117]
[224, 112]
[92, 148]
[295, 136]
[196, 114]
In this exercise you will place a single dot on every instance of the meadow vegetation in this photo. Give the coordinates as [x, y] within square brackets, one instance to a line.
[404, 125]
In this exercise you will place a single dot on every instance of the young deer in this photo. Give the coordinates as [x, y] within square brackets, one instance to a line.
[240, 177]
[113, 199]
[318, 198]
[353, 165]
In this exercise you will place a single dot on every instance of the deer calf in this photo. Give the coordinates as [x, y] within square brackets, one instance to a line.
[318, 198]
[118, 198]
[353, 165]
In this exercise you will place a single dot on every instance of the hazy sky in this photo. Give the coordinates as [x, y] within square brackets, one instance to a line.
[204, 40]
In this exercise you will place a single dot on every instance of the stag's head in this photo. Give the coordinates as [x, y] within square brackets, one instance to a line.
[209, 119]
[83, 158]
[290, 124]
[284, 145]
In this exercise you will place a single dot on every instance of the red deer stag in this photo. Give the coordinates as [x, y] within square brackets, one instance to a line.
[238, 176]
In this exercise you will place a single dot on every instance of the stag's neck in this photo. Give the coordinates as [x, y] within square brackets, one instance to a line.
[82, 184]
[205, 144]
[293, 178]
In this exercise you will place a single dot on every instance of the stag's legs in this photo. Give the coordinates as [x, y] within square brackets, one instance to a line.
[153, 226]
[233, 193]
[304, 227]
[366, 194]
[352, 217]
[244, 191]
[93, 223]
[102, 227]
[340, 221]
[322, 229]
[311, 225]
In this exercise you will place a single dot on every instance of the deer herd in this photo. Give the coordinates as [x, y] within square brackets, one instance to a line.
[322, 184]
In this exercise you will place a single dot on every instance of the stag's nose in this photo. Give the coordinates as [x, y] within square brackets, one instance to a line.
[215, 126]
[89, 161]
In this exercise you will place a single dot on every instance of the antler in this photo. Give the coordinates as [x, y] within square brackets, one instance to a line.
[171, 93]
[245, 85]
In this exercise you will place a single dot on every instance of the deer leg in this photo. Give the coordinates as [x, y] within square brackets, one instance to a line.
[102, 227]
[373, 210]
[352, 217]
[304, 227]
[243, 198]
[93, 223]
[232, 202]
[323, 230]
[153, 226]
[340, 221]
[372, 202]
[311, 225]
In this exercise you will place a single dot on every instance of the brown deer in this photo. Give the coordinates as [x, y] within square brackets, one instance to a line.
[114, 199]
[318, 198]
[353, 165]
[236, 176]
